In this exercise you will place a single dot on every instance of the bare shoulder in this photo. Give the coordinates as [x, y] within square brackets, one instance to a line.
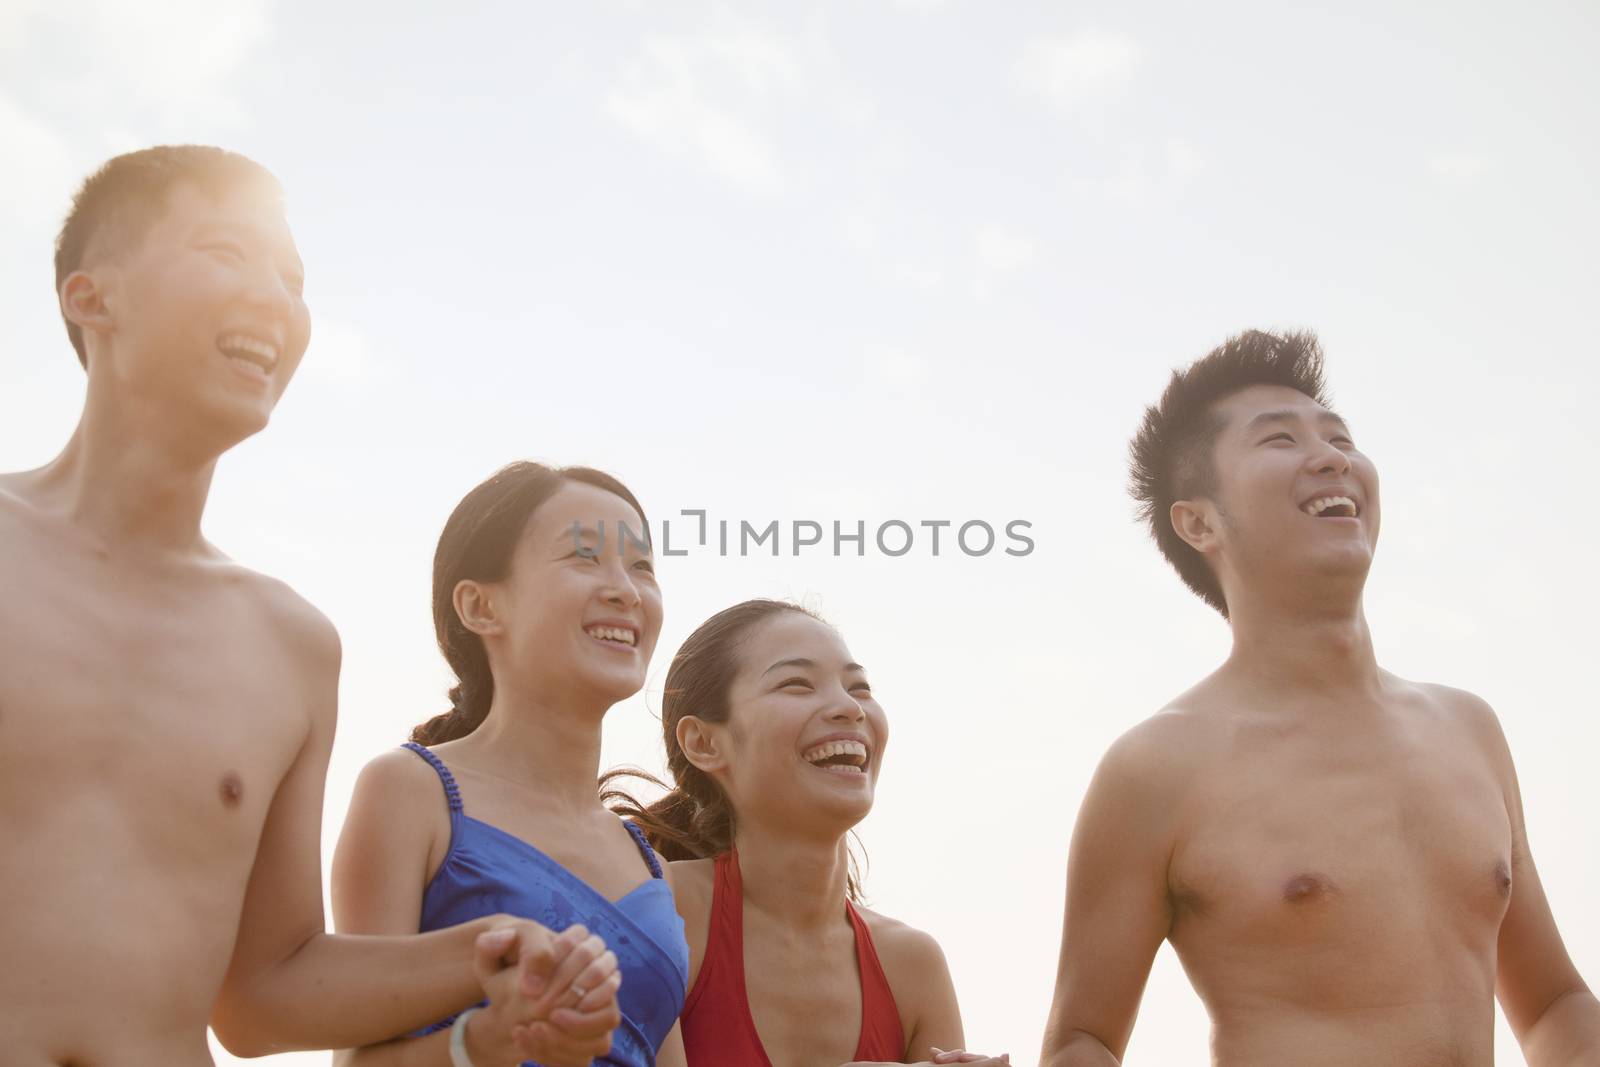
[915, 966]
[1468, 713]
[1160, 756]
[901, 947]
[304, 629]
[399, 784]
[691, 882]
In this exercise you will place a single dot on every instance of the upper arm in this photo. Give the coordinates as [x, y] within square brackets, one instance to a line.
[1534, 969]
[691, 895]
[1118, 909]
[381, 864]
[671, 1053]
[923, 990]
[283, 900]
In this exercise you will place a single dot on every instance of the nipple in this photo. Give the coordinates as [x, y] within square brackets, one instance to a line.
[1307, 887]
[232, 789]
[1502, 878]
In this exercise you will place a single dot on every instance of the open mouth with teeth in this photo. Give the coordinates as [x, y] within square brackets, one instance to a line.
[838, 757]
[1331, 507]
[252, 351]
[613, 635]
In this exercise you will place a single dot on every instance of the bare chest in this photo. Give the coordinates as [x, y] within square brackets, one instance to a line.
[1349, 847]
[134, 707]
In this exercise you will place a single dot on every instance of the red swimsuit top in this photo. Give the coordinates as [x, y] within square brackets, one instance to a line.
[716, 1024]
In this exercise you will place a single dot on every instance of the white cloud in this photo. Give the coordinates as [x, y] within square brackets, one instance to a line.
[40, 176]
[692, 96]
[1000, 249]
[1458, 168]
[894, 370]
[1072, 71]
[14, 16]
[172, 58]
[1145, 178]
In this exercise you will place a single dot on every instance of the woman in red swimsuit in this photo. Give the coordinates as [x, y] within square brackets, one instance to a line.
[774, 741]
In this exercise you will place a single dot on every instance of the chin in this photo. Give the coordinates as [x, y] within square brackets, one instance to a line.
[612, 685]
[850, 809]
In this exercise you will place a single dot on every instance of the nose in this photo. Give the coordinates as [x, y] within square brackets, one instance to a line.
[846, 710]
[619, 587]
[1327, 458]
[268, 291]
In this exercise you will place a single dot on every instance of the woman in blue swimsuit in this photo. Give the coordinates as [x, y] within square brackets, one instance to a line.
[548, 610]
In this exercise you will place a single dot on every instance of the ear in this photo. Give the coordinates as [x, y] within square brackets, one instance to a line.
[703, 744]
[83, 302]
[1195, 522]
[475, 606]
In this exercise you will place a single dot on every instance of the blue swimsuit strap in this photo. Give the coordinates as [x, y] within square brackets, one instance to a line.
[451, 791]
[452, 794]
[645, 850]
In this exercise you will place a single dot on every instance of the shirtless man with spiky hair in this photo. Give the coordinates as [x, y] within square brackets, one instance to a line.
[166, 715]
[1336, 854]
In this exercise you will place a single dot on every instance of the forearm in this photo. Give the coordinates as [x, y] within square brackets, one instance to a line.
[1079, 1049]
[430, 1051]
[1567, 1034]
[345, 991]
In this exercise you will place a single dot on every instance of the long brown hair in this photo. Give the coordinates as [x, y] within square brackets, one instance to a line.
[695, 820]
[478, 542]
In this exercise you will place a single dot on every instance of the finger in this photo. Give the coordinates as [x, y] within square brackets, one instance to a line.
[491, 947]
[590, 979]
[603, 993]
[588, 1024]
[566, 972]
[540, 1042]
[542, 952]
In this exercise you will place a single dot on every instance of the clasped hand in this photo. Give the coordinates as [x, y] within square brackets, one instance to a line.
[552, 997]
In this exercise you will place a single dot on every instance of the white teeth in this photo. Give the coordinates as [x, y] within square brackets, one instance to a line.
[1321, 504]
[611, 633]
[238, 345]
[853, 749]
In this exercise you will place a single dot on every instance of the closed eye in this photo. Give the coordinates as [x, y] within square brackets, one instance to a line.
[228, 248]
[1277, 437]
[802, 682]
[647, 565]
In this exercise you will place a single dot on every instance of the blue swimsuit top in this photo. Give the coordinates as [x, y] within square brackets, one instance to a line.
[488, 871]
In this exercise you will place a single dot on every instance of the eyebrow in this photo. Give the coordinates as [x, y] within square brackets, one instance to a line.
[1270, 417]
[807, 663]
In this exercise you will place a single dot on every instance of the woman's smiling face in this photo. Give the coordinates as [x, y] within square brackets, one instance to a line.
[805, 735]
[580, 608]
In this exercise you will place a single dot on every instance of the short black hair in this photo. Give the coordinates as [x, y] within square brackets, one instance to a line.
[130, 192]
[1170, 458]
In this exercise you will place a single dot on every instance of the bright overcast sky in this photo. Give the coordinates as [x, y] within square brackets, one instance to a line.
[868, 261]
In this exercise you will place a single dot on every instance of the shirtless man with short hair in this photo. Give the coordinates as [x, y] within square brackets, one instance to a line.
[165, 714]
[1336, 854]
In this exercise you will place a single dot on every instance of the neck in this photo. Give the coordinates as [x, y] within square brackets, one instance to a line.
[129, 489]
[550, 746]
[1310, 644]
[801, 881]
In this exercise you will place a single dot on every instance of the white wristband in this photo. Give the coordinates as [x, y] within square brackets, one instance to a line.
[458, 1039]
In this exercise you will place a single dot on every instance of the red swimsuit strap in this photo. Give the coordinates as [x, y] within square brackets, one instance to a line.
[717, 1026]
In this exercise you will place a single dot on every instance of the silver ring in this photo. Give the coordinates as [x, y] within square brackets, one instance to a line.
[582, 992]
